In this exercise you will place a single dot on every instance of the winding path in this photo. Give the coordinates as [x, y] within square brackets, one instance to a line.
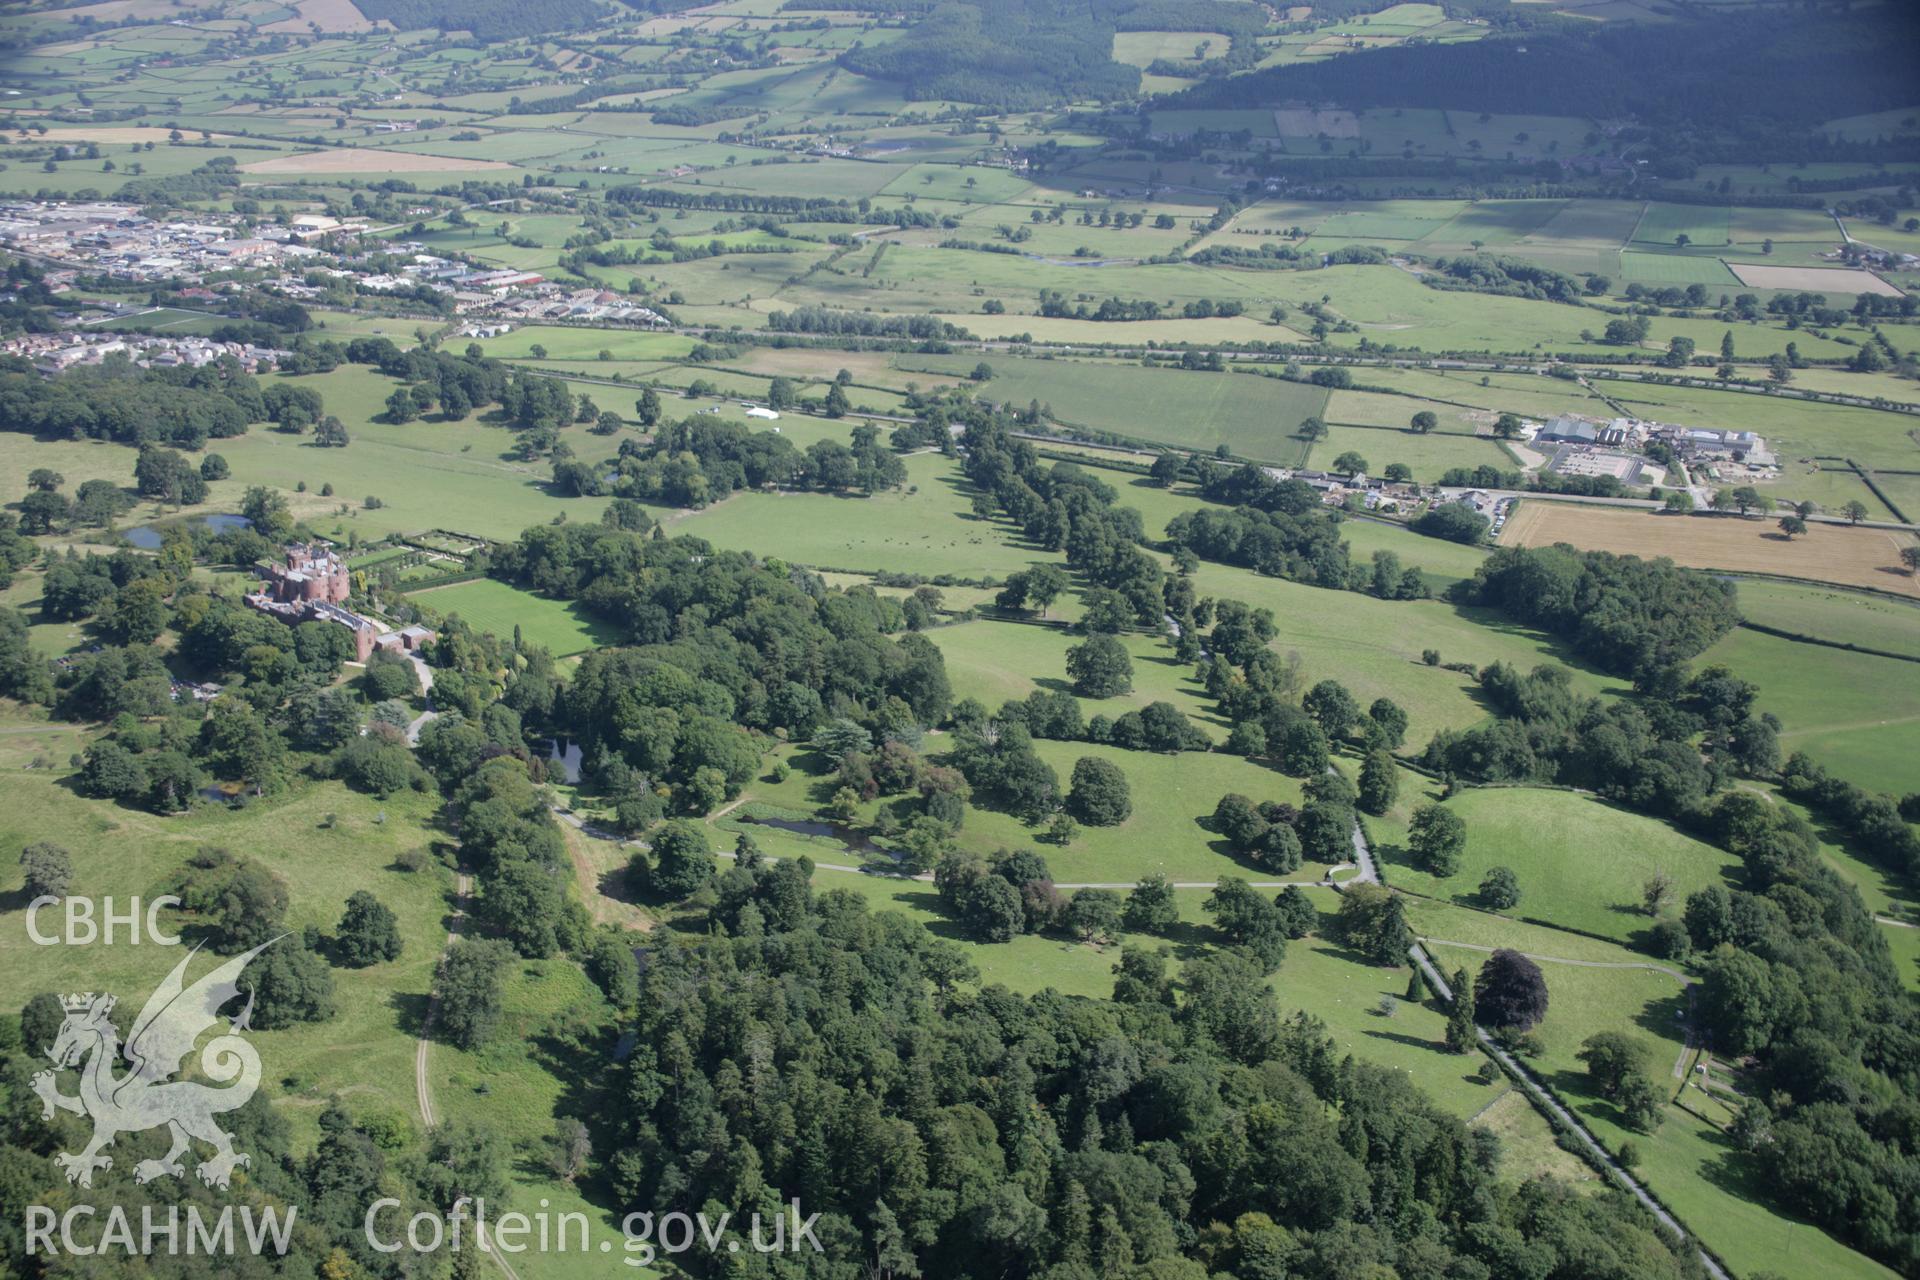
[1675, 974]
[423, 1094]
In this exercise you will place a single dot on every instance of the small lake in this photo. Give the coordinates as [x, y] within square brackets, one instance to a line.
[564, 762]
[847, 838]
[147, 538]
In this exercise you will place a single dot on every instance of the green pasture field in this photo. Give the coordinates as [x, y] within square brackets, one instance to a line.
[1376, 226]
[1392, 307]
[1751, 339]
[1439, 922]
[1843, 617]
[1704, 225]
[1258, 123]
[1690, 1165]
[1278, 216]
[1596, 223]
[925, 528]
[1519, 136]
[809, 365]
[1858, 715]
[1064, 240]
[1255, 417]
[1904, 491]
[1887, 892]
[830, 178]
[50, 639]
[1750, 225]
[564, 627]
[913, 279]
[365, 1053]
[1529, 395]
[567, 343]
[1685, 1161]
[1580, 861]
[1884, 384]
[1375, 647]
[1428, 455]
[1172, 793]
[1422, 130]
[1141, 48]
[1440, 562]
[421, 471]
[1093, 333]
[995, 661]
[1675, 268]
[1904, 942]
[1498, 224]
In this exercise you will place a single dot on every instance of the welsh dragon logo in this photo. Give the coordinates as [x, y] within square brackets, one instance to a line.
[157, 1045]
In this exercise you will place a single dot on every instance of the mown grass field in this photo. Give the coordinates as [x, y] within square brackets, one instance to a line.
[1690, 1165]
[1375, 647]
[562, 626]
[1429, 456]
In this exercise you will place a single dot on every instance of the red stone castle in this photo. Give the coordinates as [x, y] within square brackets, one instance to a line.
[312, 572]
[312, 586]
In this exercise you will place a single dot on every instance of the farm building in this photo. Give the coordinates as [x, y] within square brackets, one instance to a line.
[1567, 429]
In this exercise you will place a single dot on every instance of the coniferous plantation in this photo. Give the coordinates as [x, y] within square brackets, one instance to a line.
[1140, 639]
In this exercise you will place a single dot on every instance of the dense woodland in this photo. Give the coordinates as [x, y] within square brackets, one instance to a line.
[830, 1053]
[1799, 66]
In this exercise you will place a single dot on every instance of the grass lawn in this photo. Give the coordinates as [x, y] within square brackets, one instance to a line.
[564, 627]
[1440, 562]
[1580, 861]
[426, 474]
[1688, 1164]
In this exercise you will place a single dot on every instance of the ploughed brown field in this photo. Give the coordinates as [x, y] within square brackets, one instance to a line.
[1825, 553]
